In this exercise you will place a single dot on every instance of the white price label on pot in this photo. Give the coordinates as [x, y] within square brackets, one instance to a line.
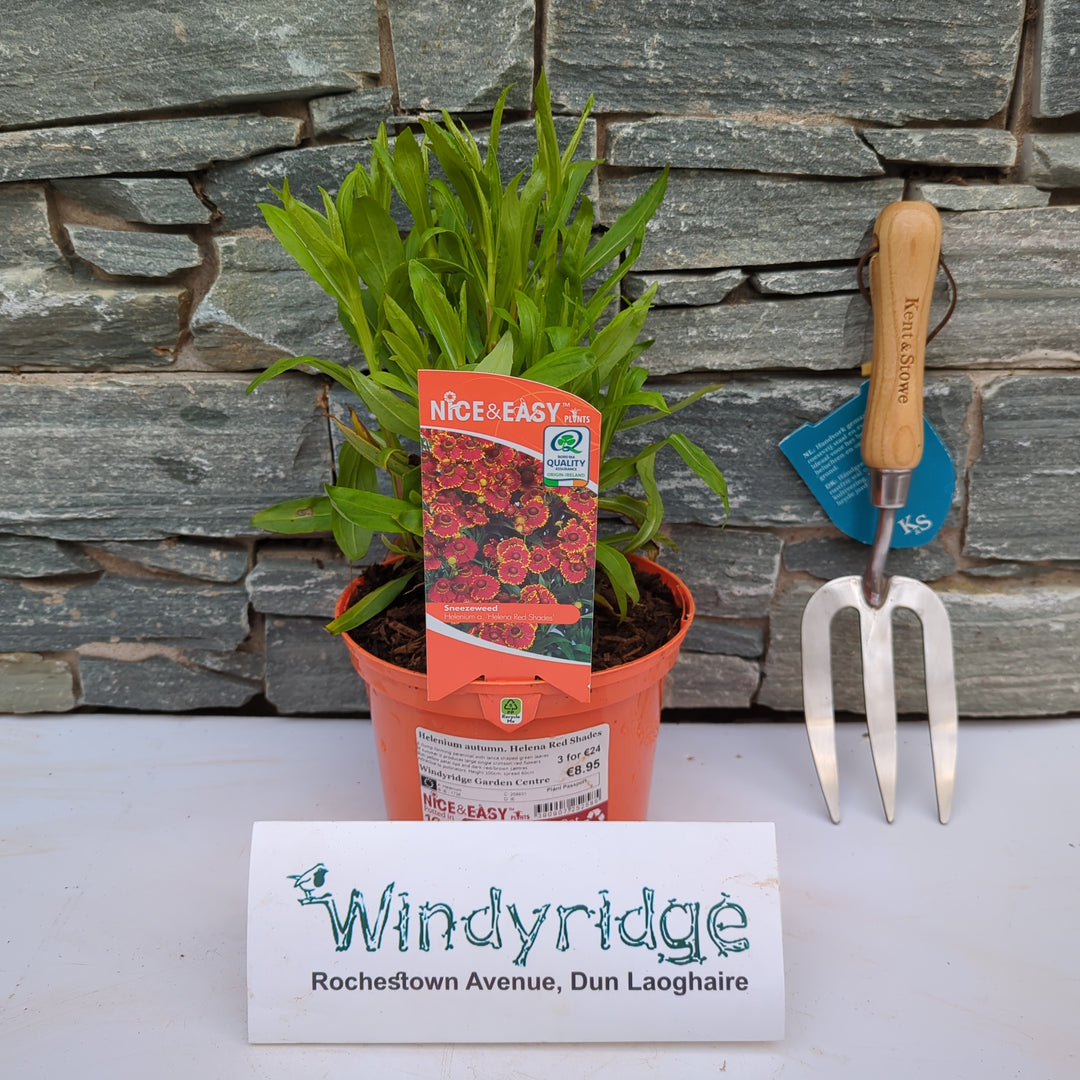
[563, 777]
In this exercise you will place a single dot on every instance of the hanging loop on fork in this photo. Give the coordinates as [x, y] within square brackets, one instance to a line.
[864, 289]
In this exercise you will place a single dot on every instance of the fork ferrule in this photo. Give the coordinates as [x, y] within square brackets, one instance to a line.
[889, 488]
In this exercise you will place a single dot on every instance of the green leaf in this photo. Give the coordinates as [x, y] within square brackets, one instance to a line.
[648, 418]
[500, 361]
[395, 382]
[370, 605]
[410, 349]
[296, 516]
[630, 224]
[439, 314]
[702, 465]
[615, 341]
[372, 510]
[411, 171]
[654, 503]
[338, 372]
[614, 470]
[619, 572]
[562, 366]
[391, 459]
[375, 246]
[626, 505]
[394, 415]
[354, 471]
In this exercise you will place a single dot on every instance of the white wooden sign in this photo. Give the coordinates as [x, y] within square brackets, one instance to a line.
[486, 932]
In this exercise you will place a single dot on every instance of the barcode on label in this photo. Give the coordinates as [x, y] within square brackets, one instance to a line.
[564, 806]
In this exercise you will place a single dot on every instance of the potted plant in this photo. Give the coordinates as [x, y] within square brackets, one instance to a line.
[506, 276]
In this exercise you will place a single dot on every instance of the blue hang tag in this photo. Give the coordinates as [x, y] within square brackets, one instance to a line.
[827, 456]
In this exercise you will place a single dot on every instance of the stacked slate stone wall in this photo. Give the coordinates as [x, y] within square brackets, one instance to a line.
[139, 291]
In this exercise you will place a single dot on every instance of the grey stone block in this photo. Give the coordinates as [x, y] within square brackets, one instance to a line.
[740, 427]
[352, 116]
[31, 684]
[701, 143]
[1014, 254]
[822, 333]
[980, 196]
[261, 307]
[1014, 648]
[985, 147]
[1057, 59]
[117, 608]
[817, 279]
[829, 557]
[685, 289]
[149, 200]
[31, 557]
[188, 454]
[874, 61]
[298, 581]
[1051, 160]
[726, 639]
[141, 146]
[1022, 489]
[1029, 331]
[51, 322]
[1017, 306]
[134, 254]
[463, 62]
[25, 239]
[701, 681]
[192, 558]
[308, 671]
[703, 219]
[73, 60]
[730, 572]
[162, 684]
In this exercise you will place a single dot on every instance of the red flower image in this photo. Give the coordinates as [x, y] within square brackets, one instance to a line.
[519, 635]
[512, 573]
[459, 549]
[574, 536]
[483, 587]
[540, 559]
[537, 594]
[495, 533]
[574, 569]
[533, 515]
[441, 591]
[512, 550]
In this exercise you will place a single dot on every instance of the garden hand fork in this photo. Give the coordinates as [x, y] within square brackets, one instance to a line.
[907, 236]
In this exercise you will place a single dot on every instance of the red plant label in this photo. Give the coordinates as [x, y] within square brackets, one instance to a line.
[510, 471]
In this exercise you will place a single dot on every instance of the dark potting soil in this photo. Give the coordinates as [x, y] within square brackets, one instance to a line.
[397, 634]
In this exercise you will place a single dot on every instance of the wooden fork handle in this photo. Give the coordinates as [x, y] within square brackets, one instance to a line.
[907, 236]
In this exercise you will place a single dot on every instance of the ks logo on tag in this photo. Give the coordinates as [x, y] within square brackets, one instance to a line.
[827, 456]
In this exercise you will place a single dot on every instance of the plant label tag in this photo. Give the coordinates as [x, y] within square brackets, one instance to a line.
[484, 932]
[510, 471]
[827, 456]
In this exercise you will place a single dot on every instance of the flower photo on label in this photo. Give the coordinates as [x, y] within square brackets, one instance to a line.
[495, 533]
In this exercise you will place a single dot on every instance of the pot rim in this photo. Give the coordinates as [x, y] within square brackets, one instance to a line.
[605, 677]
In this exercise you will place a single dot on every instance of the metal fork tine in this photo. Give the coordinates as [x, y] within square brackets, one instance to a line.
[818, 696]
[941, 706]
[879, 692]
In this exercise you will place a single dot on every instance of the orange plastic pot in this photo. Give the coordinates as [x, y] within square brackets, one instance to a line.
[618, 728]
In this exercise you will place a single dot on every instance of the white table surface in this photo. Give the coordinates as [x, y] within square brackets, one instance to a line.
[911, 950]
